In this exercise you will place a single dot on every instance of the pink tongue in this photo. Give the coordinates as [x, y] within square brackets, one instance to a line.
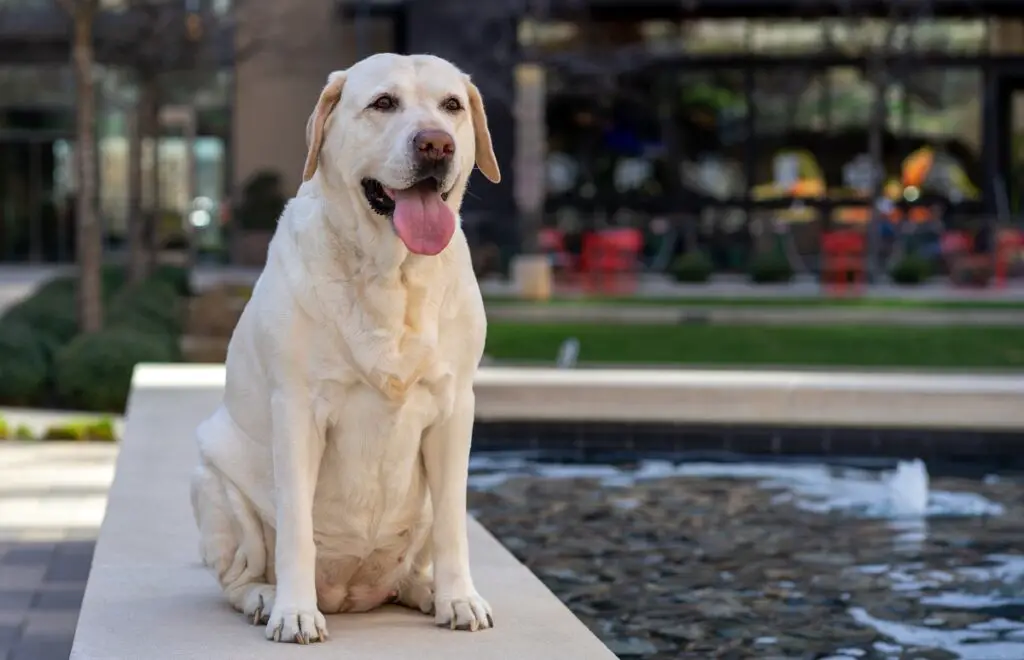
[422, 220]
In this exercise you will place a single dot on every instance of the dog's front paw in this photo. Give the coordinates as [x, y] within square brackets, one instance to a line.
[300, 625]
[464, 611]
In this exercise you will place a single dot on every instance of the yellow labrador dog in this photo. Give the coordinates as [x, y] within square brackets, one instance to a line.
[333, 476]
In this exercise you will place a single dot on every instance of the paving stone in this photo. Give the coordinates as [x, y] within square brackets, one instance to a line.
[15, 599]
[30, 648]
[29, 554]
[68, 598]
[70, 567]
[77, 547]
[22, 577]
[9, 635]
[51, 624]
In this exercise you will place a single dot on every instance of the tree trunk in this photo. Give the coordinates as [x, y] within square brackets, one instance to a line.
[876, 151]
[150, 119]
[89, 231]
[138, 252]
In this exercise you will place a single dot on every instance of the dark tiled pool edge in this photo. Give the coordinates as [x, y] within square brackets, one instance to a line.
[586, 440]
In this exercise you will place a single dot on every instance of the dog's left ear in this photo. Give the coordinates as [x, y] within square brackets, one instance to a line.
[485, 159]
[329, 98]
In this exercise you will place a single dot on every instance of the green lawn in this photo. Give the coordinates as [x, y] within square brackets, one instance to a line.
[794, 301]
[937, 347]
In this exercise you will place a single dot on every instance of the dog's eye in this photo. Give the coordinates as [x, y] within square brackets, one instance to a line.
[451, 104]
[384, 103]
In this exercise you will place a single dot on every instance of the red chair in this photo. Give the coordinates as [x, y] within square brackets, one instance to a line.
[958, 247]
[842, 260]
[552, 242]
[610, 258]
[1009, 243]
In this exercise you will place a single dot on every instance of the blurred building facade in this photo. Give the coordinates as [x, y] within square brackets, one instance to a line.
[721, 110]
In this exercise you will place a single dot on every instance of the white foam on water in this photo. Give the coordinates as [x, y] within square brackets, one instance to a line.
[902, 494]
[1006, 574]
[971, 644]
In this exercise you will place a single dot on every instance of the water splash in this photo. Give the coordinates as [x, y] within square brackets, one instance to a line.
[908, 489]
[900, 494]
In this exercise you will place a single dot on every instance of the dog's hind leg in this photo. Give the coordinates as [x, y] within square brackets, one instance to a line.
[233, 543]
[416, 590]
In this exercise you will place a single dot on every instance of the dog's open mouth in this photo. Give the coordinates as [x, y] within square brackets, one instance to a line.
[382, 200]
[419, 214]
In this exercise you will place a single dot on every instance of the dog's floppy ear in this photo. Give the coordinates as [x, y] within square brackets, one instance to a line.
[485, 159]
[329, 98]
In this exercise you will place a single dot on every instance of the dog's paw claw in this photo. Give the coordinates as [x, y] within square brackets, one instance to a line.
[259, 604]
[471, 613]
[301, 626]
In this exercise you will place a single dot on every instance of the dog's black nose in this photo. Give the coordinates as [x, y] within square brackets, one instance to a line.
[433, 147]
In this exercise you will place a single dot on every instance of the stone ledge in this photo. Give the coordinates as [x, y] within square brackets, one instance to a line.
[760, 398]
[796, 398]
[149, 597]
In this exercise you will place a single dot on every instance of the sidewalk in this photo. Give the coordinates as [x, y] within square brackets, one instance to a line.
[52, 500]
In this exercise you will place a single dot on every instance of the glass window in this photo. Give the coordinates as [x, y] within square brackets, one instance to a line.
[1005, 36]
[37, 85]
[715, 36]
[781, 37]
[941, 132]
[966, 36]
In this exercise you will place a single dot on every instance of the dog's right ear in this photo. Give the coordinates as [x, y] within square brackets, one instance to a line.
[329, 98]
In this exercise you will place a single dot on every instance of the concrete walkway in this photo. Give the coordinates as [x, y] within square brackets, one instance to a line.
[52, 500]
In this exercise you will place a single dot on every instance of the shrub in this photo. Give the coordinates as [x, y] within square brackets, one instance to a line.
[94, 371]
[51, 314]
[693, 267]
[178, 277]
[24, 363]
[262, 202]
[101, 430]
[911, 269]
[151, 307]
[64, 432]
[770, 268]
[23, 432]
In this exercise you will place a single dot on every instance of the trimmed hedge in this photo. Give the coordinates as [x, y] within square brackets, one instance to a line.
[44, 360]
[770, 268]
[693, 267]
[25, 359]
[94, 371]
[910, 270]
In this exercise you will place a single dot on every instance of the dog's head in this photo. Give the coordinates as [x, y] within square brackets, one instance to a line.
[403, 133]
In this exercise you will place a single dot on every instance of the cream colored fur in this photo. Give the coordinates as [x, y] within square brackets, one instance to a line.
[333, 476]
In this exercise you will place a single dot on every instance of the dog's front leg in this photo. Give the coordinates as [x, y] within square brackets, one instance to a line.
[298, 448]
[446, 459]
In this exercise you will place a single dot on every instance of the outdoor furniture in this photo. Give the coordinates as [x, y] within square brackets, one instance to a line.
[1009, 246]
[842, 261]
[972, 267]
[610, 260]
